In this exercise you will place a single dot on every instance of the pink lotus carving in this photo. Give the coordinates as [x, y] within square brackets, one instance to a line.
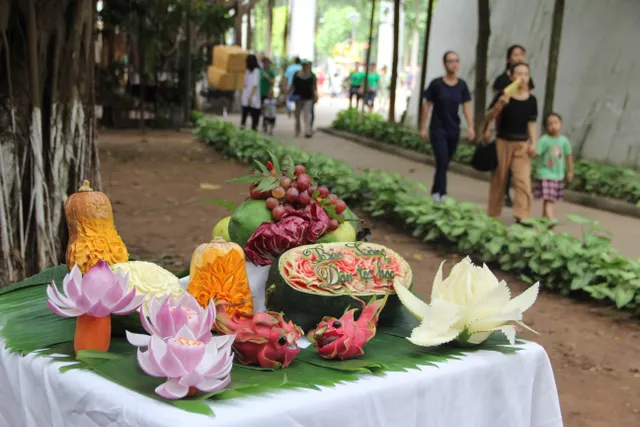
[99, 293]
[165, 317]
[188, 363]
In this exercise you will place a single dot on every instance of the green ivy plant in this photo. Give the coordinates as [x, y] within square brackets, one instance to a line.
[588, 267]
[590, 177]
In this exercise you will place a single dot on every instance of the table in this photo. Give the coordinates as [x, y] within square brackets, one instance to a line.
[484, 389]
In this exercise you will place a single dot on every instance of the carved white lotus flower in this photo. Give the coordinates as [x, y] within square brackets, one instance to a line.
[469, 305]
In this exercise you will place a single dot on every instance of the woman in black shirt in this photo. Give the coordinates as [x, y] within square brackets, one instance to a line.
[515, 54]
[515, 144]
[305, 87]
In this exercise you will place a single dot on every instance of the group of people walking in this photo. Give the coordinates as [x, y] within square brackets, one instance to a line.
[258, 97]
[377, 86]
[514, 116]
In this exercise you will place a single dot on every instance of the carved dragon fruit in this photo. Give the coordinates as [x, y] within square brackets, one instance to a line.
[263, 339]
[346, 337]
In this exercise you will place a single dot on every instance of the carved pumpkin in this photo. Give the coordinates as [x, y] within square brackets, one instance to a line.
[218, 272]
[92, 233]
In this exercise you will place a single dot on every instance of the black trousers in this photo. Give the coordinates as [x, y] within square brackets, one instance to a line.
[255, 116]
[444, 147]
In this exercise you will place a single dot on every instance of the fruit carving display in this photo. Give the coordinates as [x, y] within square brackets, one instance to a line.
[287, 208]
[313, 281]
[218, 271]
[345, 338]
[263, 339]
[92, 232]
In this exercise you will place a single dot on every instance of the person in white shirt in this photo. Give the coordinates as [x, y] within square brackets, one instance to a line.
[270, 111]
[251, 103]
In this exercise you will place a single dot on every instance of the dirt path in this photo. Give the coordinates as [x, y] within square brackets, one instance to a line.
[159, 188]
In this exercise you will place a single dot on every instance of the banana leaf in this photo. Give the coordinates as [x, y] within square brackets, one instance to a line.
[45, 277]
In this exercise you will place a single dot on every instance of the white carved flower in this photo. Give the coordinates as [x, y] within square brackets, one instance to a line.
[469, 305]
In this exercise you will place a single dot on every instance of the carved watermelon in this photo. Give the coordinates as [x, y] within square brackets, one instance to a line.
[313, 281]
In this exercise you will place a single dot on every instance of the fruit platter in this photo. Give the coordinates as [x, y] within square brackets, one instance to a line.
[288, 287]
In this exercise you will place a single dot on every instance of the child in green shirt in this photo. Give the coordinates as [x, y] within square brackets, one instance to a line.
[554, 164]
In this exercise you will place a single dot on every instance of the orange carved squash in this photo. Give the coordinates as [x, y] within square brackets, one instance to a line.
[92, 232]
[218, 272]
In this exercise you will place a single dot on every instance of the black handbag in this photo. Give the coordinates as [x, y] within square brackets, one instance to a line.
[485, 157]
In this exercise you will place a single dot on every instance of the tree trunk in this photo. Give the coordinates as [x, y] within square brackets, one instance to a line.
[47, 139]
[394, 61]
[482, 51]
[249, 29]
[269, 36]
[415, 42]
[368, 59]
[188, 85]
[238, 13]
[425, 57]
[285, 33]
[554, 53]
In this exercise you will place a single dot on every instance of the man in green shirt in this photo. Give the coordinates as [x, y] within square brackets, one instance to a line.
[373, 84]
[267, 79]
[356, 79]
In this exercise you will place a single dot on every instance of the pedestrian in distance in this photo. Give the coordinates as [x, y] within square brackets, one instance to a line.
[267, 79]
[515, 55]
[516, 140]
[554, 164]
[373, 85]
[250, 98]
[291, 71]
[443, 98]
[305, 86]
[356, 78]
[270, 112]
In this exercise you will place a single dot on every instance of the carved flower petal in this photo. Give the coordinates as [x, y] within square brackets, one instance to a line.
[57, 299]
[210, 385]
[97, 281]
[64, 312]
[172, 389]
[138, 340]
[415, 305]
[525, 300]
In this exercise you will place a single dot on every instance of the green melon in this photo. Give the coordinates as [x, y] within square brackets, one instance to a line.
[246, 219]
[351, 218]
[313, 281]
[344, 233]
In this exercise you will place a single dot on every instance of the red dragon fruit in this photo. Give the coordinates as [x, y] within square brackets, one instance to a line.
[346, 337]
[263, 339]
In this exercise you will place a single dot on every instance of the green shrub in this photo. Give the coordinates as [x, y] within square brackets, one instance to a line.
[590, 177]
[582, 268]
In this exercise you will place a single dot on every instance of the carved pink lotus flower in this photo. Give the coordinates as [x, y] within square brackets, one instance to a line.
[188, 363]
[99, 293]
[166, 316]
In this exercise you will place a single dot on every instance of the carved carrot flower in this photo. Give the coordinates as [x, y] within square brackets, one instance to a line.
[92, 299]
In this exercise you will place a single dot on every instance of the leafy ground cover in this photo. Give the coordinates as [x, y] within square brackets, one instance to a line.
[582, 268]
[590, 177]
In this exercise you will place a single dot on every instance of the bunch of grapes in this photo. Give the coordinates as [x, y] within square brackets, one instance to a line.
[296, 194]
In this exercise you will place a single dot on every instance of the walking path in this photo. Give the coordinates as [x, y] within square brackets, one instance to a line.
[625, 230]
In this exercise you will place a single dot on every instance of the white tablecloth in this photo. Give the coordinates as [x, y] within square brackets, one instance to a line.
[484, 389]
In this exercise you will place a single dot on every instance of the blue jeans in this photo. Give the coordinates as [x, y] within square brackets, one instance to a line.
[444, 147]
